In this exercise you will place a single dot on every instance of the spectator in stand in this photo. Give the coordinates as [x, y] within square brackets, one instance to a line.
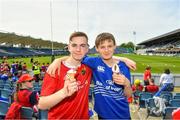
[13, 68]
[43, 70]
[20, 66]
[47, 65]
[15, 77]
[147, 75]
[36, 71]
[24, 68]
[152, 88]
[23, 96]
[166, 81]
[4, 76]
[137, 88]
[32, 61]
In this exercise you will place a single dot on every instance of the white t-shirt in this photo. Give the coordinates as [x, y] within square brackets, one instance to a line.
[166, 78]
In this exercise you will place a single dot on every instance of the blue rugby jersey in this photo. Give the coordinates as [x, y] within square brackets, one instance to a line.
[110, 102]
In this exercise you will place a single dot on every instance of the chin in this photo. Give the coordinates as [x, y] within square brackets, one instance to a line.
[107, 58]
[78, 59]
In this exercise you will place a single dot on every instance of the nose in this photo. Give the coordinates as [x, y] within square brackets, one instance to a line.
[78, 48]
[106, 49]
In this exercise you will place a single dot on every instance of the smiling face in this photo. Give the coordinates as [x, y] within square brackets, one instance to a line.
[106, 49]
[105, 45]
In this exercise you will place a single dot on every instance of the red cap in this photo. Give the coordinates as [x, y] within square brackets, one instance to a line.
[24, 78]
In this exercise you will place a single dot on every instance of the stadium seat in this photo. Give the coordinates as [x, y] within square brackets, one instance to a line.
[177, 93]
[3, 108]
[175, 103]
[5, 93]
[167, 115]
[166, 92]
[177, 97]
[167, 97]
[143, 97]
[43, 114]
[26, 112]
[150, 104]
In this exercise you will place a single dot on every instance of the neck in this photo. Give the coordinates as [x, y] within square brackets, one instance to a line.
[110, 62]
[72, 62]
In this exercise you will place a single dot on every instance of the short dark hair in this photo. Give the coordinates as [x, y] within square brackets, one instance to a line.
[167, 71]
[103, 37]
[78, 34]
[148, 67]
[152, 80]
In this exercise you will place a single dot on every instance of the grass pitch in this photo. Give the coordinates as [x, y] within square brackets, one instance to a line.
[157, 63]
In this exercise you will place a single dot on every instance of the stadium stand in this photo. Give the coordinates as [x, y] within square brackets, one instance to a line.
[26, 52]
[166, 44]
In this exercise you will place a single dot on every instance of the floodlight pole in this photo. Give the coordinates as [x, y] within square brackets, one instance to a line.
[51, 24]
[134, 33]
[77, 14]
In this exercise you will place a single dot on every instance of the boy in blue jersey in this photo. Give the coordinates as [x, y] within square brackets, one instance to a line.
[111, 89]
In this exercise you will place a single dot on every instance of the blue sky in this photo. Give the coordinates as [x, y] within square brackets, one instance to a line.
[149, 18]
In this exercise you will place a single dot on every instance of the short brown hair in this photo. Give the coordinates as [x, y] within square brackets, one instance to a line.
[103, 37]
[78, 34]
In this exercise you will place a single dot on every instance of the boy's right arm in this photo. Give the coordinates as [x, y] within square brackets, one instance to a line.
[47, 102]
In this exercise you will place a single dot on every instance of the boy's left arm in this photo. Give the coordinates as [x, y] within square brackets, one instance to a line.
[130, 63]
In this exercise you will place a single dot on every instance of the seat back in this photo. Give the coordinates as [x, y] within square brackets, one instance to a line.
[167, 97]
[143, 97]
[43, 114]
[167, 93]
[175, 103]
[26, 112]
[3, 108]
[168, 113]
[177, 97]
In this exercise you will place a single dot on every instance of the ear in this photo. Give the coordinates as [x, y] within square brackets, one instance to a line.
[68, 47]
[96, 49]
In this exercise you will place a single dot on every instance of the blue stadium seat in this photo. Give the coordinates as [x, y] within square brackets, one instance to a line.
[150, 104]
[167, 115]
[3, 108]
[43, 114]
[143, 97]
[175, 103]
[177, 97]
[26, 112]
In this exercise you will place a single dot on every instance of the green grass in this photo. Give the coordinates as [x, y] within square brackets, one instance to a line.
[158, 63]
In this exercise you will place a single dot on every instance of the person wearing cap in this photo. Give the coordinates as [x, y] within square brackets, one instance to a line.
[24, 96]
[137, 88]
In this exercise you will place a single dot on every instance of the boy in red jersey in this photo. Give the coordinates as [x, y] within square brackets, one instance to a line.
[65, 98]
